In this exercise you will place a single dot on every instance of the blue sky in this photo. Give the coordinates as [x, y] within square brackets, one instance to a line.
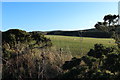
[47, 16]
[60, 0]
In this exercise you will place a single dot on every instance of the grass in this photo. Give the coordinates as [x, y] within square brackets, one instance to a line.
[78, 46]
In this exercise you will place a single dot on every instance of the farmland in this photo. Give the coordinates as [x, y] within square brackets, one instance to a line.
[78, 46]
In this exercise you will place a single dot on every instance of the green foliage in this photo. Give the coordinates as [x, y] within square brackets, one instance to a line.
[112, 62]
[14, 35]
[99, 51]
[111, 26]
[70, 64]
[100, 63]
[16, 42]
[111, 19]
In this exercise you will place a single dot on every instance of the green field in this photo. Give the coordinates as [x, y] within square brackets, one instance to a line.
[78, 46]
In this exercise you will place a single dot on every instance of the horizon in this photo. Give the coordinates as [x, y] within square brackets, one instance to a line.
[51, 16]
[49, 30]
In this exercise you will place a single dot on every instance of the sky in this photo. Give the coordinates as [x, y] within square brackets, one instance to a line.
[60, 0]
[47, 16]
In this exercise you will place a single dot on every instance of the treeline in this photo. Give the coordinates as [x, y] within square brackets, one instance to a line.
[82, 33]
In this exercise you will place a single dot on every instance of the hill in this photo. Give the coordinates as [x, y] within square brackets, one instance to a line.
[82, 33]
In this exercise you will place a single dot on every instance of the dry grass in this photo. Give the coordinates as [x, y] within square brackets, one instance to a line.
[37, 63]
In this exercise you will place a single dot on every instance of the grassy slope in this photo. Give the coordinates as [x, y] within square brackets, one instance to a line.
[77, 45]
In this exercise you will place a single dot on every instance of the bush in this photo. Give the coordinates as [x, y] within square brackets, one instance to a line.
[16, 41]
[101, 63]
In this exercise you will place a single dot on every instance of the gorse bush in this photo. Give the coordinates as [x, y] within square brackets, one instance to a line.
[16, 42]
[100, 63]
[15, 36]
[36, 64]
[30, 56]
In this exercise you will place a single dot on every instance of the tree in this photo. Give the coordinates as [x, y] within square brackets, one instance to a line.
[110, 25]
[111, 61]
[111, 19]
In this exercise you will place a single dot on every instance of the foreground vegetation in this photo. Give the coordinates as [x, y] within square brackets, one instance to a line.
[78, 46]
[100, 63]
[30, 55]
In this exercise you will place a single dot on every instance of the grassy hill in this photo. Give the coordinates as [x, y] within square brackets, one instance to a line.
[84, 33]
[78, 46]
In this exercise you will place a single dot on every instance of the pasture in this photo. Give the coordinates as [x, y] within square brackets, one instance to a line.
[78, 46]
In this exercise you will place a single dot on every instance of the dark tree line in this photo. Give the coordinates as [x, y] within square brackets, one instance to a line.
[85, 33]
